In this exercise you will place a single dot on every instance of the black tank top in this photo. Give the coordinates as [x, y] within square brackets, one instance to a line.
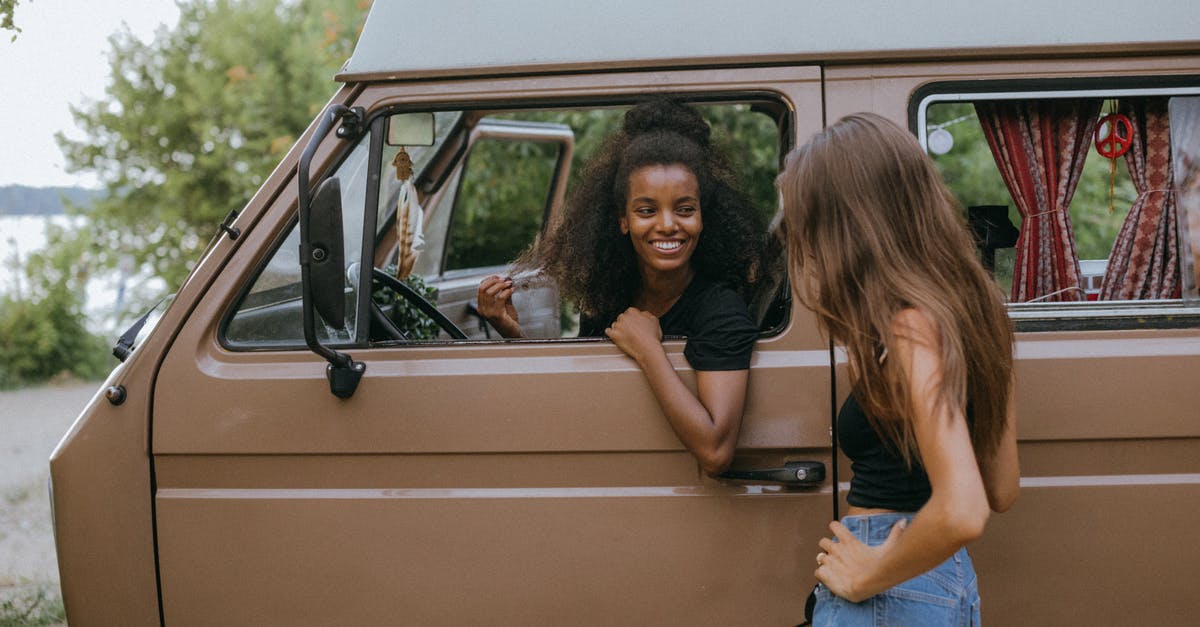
[881, 479]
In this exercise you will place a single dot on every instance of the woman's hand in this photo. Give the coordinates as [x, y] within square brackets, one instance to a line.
[637, 333]
[495, 304]
[841, 565]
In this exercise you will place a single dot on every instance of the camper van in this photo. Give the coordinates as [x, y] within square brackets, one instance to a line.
[320, 428]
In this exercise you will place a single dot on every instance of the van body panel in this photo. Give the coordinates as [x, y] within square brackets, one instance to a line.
[101, 488]
[514, 557]
[1099, 554]
[773, 32]
[452, 459]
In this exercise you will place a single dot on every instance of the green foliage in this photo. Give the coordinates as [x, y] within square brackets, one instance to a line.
[500, 202]
[1095, 227]
[43, 332]
[404, 314]
[7, 7]
[751, 140]
[195, 120]
[591, 127]
[969, 168]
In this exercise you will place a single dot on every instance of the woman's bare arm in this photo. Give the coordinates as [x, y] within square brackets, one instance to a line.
[707, 425]
[1002, 473]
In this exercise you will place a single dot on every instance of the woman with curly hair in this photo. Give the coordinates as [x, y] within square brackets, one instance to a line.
[881, 253]
[655, 240]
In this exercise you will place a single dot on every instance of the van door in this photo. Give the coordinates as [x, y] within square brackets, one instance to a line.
[528, 482]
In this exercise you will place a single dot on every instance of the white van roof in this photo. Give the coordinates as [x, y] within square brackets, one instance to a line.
[407, 39]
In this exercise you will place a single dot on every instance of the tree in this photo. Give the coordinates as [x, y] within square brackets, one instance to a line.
[195, 120]
[7, 7]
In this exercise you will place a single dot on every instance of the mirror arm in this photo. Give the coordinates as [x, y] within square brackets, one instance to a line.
[343, 372]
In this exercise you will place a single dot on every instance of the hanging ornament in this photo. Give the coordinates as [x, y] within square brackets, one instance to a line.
[409, 217]
[940, 141]
[1114, 137]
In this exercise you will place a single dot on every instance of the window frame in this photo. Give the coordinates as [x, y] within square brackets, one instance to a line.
[1071, 316]
[773, 104]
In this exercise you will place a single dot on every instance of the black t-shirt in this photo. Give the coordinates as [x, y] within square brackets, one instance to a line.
[881, 478]
[719, 330]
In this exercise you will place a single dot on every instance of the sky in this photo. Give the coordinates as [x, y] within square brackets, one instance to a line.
[60, 59]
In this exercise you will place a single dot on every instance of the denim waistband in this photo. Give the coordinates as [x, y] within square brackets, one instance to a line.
[873, 529]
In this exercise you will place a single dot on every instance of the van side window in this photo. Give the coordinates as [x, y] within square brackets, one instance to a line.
[269, 315]
[470, 204]
[1076, 198]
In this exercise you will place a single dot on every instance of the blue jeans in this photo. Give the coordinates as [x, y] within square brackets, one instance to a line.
[946, 595]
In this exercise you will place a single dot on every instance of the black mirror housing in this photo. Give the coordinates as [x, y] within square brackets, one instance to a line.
[322, 255]
[322, 250]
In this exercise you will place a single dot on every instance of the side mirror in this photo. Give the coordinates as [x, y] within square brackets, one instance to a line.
[322, 258]
[325, 252]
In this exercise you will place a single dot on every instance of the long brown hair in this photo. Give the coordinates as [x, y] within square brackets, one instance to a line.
[872, 229]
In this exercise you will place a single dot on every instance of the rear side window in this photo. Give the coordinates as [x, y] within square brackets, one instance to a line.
[1077, 199]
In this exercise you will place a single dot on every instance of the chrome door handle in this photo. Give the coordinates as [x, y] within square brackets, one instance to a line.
[792, 473]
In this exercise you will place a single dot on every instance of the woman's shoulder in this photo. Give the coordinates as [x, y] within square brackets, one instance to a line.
[720, 331]
[913, 324]
[916, 338]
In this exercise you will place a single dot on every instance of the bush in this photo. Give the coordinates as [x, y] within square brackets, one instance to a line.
[44, 332]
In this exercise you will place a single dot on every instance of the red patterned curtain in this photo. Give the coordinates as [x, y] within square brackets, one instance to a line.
[1144, 262]
[1040, 147]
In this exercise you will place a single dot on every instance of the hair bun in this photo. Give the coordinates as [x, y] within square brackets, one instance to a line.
[663, 114]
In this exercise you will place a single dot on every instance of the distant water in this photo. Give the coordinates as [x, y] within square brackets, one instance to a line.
[24, 234]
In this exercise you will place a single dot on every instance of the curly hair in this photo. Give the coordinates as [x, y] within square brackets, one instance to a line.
[595, 265]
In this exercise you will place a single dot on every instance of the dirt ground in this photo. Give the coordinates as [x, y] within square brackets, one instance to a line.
[31, 422]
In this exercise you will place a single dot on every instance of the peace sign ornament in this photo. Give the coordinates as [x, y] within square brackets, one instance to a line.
[1114, 135]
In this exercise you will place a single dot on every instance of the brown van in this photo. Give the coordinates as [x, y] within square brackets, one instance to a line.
[308, 434]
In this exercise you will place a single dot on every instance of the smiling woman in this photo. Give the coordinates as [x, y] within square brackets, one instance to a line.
[596, 251]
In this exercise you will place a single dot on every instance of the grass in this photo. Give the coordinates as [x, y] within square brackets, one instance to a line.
[35, 606]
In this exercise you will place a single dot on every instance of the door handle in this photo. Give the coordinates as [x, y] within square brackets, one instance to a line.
[792, 473]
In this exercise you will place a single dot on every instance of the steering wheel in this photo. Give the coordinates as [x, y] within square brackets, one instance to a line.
[416, 300]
